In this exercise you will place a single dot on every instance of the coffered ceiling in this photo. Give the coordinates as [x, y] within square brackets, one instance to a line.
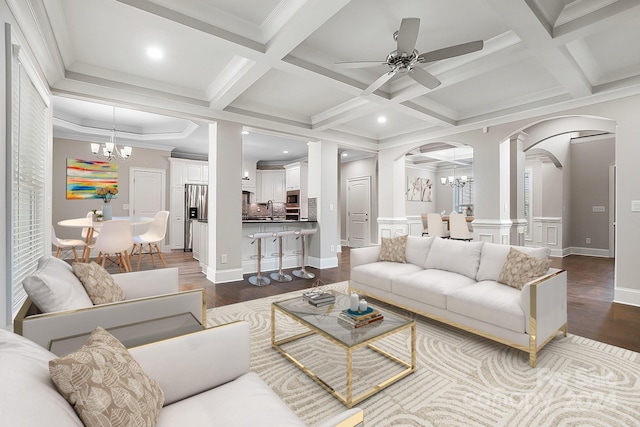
[269, 64]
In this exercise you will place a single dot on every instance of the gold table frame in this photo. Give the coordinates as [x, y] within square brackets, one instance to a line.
[349, 400]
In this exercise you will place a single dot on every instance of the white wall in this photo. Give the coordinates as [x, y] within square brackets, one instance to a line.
[416, 207]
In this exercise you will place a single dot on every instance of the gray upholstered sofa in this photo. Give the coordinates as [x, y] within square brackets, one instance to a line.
[64, 309]
[205, 378]
[456, 283]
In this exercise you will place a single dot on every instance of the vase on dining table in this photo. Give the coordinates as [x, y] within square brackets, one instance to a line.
[106, 211]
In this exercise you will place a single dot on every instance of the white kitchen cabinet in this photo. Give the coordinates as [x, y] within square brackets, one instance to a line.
[196, 242]
[204, 246]
[297, 179]
[271, 186]
[292, 176]
[176, 218]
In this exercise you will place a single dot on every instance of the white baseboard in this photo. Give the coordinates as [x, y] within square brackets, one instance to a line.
[223, 276]
[321, 263]
[627, 296]
[601, 253]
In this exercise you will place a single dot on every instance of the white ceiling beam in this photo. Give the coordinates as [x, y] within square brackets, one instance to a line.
[237, 77]
[311, 16]
[535, 35]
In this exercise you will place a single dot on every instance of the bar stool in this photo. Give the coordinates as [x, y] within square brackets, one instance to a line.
[258, 280]
[280, 276]
[303, 273]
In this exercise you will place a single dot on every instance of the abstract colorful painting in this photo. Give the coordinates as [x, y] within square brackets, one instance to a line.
[85, 176]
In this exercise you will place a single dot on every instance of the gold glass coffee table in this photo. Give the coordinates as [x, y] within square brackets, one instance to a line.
[323, 321]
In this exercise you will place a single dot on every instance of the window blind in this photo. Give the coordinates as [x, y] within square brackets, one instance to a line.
[28, 168]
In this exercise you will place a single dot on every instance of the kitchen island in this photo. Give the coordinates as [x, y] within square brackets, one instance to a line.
[292, 257]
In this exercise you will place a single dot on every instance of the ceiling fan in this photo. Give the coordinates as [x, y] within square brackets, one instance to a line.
[406, 59]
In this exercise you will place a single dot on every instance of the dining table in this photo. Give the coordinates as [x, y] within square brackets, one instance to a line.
[91, 225]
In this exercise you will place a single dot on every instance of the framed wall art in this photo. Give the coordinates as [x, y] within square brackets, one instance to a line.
[85, 176]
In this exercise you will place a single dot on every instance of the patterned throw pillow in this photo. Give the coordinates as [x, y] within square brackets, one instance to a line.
[520, 268]
[98, 283]
[105, 385]
[393, 249]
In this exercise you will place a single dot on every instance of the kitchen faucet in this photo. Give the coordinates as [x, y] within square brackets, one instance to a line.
[270, 202]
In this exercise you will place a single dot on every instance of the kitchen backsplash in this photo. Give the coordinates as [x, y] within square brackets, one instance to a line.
[259, 210]
[312, 209]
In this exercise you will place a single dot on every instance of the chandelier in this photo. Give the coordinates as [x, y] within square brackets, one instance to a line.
[453, 180]
[109, 150]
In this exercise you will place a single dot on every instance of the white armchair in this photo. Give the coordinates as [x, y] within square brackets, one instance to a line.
[148, 295]
[205, 377]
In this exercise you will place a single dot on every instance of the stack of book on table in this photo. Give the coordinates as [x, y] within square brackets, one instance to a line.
[319, 298]
[358, 319]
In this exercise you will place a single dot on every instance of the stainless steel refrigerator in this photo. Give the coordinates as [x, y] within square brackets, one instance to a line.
[195, 209]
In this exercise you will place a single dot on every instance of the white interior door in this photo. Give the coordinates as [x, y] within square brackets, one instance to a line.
[147, 196]
[358, 211]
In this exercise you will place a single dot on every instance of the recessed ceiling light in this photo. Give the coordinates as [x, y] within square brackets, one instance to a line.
[155, 53]
[382, 119]
[285, 152]
[245, 132]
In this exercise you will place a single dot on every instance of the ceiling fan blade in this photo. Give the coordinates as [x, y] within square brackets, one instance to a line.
[424, 78]
[379, 82]
[408, 35]
[358, 64]
[450, 52]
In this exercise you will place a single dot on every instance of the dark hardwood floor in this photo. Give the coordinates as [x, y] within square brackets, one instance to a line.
[592, 314]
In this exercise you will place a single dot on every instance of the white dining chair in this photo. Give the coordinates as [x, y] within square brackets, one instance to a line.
[155, 233]
[435, 226]
[458, 228]
[425, 224]
[85, 234]
[115, 239]
[66, 244]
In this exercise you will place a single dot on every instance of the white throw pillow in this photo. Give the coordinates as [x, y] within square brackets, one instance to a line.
[494, 256]
[54, 287]
[418, 249]
[456, 256]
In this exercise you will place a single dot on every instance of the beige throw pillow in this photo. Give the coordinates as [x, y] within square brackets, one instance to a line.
[520, 268]
[106, 386]
[393, 249]
[99, 284]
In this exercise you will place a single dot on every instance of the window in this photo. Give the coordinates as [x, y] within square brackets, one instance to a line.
[464, 198]
[28, 167]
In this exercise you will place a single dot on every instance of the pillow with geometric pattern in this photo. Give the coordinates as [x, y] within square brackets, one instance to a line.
[393, 249]
[105, 384]
[98, 283]
[520, 268]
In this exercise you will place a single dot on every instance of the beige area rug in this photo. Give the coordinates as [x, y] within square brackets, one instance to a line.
[460, 380]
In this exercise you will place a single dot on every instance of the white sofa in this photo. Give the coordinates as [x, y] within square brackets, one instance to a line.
[455, 282]
[205, 378]
[149, 295]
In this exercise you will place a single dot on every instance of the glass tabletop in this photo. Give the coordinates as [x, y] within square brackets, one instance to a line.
[327, 319]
